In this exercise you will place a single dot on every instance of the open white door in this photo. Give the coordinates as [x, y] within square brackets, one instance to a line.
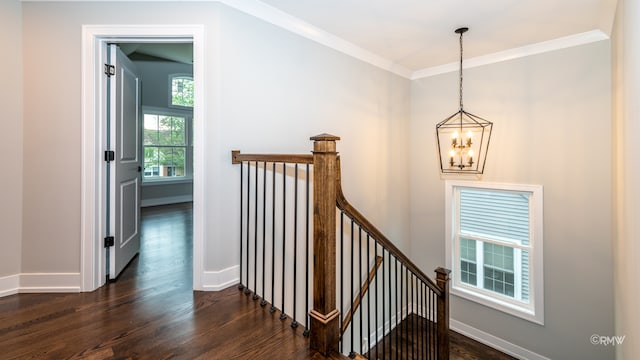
[125, 169]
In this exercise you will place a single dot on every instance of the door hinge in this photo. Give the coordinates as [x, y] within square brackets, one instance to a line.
[109, 241]
[109, 70]
[109, 155]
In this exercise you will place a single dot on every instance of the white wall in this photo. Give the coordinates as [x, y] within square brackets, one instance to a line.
[11, 144]
[552, 126]
[267, 90]
[626, 56]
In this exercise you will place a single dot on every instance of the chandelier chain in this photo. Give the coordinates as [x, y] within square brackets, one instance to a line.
[461, 70]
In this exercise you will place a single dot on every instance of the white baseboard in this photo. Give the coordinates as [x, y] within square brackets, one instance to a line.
[494, 341]
[9, 285]
[220, 280]
[49, 283]
[166, 200]
[40, 283]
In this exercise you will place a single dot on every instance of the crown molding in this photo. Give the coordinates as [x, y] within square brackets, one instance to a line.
[515, 53]
[297, 26]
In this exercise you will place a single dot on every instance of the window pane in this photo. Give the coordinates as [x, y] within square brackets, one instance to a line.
[171, 131]
[498, 269]
[468, 249]
[150, 129]
[182, 91]
[525, 275]
[178, 131]
[468, 270]
[468, 273]
[498, 256]
[498, 281]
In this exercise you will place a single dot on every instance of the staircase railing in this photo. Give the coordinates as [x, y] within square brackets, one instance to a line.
[350, 287]
[408, 312]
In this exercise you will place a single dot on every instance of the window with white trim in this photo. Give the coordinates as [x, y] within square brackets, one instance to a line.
[167, 149]
[181, 90]
[494, 245]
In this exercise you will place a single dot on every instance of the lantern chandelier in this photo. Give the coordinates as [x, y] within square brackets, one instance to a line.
[463, 138]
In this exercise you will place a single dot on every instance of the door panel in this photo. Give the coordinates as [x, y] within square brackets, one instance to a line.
[125, 194]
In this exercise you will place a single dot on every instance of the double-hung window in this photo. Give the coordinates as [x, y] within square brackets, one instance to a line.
[167, 154]
[494, 245]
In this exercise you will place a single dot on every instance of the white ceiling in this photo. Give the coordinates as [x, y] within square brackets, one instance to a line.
[419, 34]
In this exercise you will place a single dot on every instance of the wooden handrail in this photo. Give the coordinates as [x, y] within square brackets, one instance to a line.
[237, 158]
[363, 290]
[359, 219]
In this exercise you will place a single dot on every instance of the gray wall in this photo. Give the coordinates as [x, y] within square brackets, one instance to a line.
[266, 90]
[155, 80]
[552, 126]
[11, 144]
[154, 76]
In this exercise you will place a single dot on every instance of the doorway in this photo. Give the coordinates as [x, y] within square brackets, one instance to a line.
[159, 130]
[94, 187]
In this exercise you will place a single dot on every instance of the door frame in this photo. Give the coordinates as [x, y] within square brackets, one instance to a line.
[93, 184]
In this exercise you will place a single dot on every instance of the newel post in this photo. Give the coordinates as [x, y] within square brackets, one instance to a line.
[325, 326]
[442, 279]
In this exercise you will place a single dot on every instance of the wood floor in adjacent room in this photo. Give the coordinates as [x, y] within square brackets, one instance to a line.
[151, 312]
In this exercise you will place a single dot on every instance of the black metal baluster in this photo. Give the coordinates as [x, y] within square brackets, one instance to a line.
[294, 323]
[360, 286]
[247, 291]
[396, 292]
[375, 256]
[419, 323]
[434, 329]
[255, 242]
[384, 295]
[264, 231]
[402, 324]
[424, 316]
[273, 240]
[398, 304]
[413, 316]
[306, 241]
[352, 354]
[429, 328]
[284, 234]
[369, 296]
[407, 325]
[241, 286]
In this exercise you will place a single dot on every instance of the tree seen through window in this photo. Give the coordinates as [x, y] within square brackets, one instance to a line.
[165, 146]
[182, 91]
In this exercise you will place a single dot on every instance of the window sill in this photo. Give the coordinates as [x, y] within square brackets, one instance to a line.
[157, 182]
[521, 311]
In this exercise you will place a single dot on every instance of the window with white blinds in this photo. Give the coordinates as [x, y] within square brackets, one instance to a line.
[493, 233]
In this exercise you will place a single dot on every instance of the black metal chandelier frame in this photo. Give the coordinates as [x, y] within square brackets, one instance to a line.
[461, 158]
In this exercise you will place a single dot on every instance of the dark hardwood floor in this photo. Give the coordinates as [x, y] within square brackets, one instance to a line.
[151, 312]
